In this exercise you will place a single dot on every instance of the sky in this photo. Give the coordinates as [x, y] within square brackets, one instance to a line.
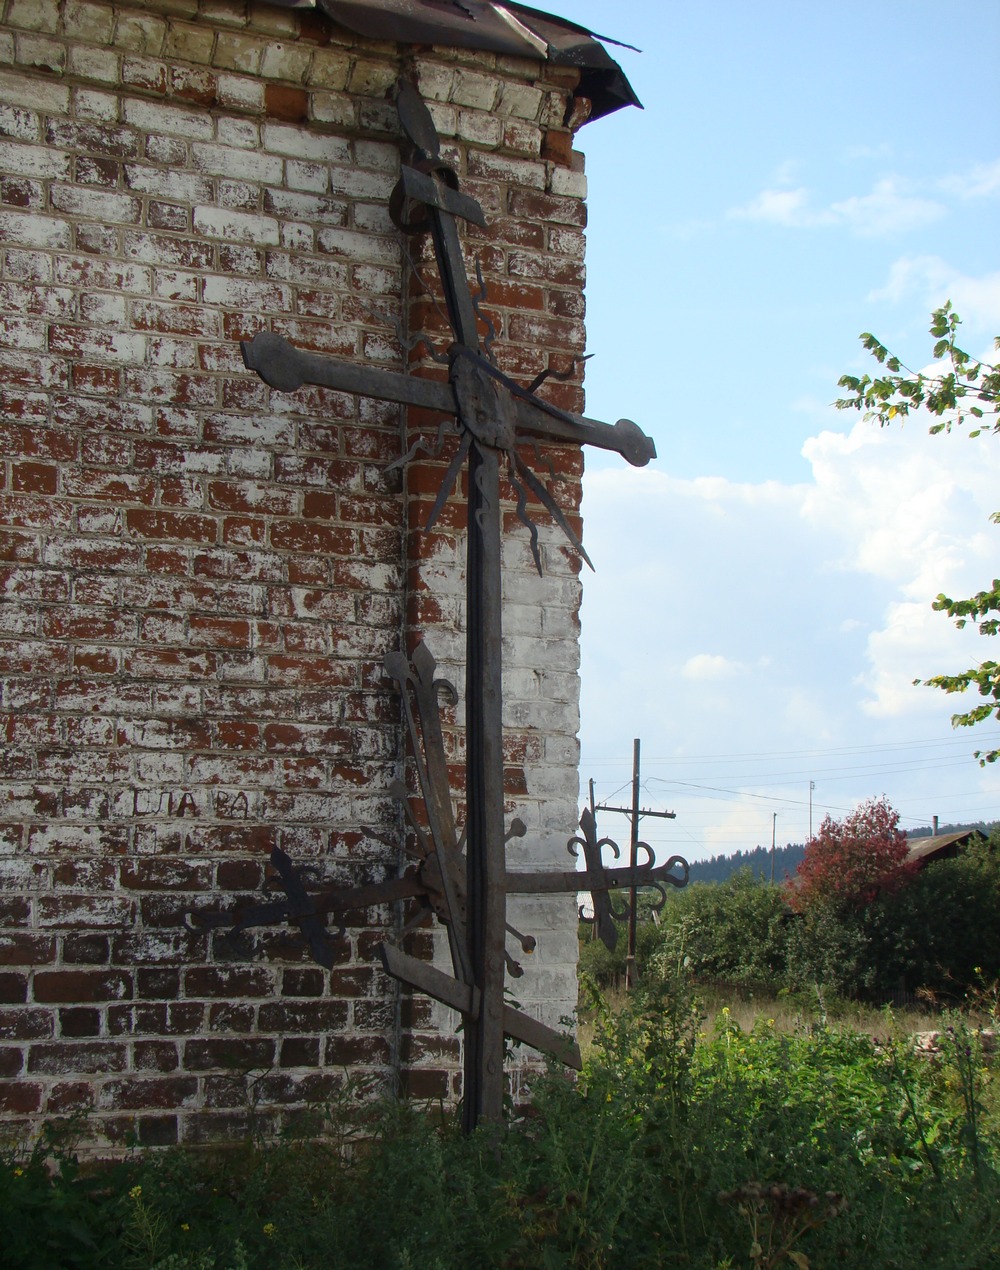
[762, 600]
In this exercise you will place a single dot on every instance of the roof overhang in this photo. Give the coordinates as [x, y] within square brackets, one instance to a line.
[512, 29]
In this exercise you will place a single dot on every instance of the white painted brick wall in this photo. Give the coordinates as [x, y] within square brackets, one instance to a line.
[203, 576]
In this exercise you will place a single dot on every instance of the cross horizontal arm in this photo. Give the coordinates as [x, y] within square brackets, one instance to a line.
[564, 881]
[287, 368]
[549, 423]
[422, 188]
[319, 904]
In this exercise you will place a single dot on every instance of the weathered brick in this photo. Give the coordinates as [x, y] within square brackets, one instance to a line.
[85, 949]
[81, 985]
[59, 1058]
[350, 1051]
[157, 117]
[34, 15]
[167, 874]
[24, 949]
[564, 181]
[188, 42]
[141, 34]
[22, 1098]
[31, 92]
[157, 1056]
[131, 1094]
[102, 65]
[203, 575]
[33, 230]
[158, 1131]
[194, 84]
[93, 23]
[13, 987]
[239, 52]
[235, 226]
[229, 1054]
[11, 1064]
[91, 103]
[79, 1021]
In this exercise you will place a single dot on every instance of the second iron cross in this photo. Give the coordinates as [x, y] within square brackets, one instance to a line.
[493, 415]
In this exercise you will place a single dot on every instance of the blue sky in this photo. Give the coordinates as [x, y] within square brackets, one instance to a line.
[800, 173]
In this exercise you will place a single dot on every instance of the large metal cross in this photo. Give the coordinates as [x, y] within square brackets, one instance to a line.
[493, 415]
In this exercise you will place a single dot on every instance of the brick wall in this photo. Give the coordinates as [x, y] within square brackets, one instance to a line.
[200, 578]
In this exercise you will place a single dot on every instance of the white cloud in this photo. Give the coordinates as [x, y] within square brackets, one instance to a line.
[979, 181]
[890, 208]
[911, 639]
[785, 172]
[710, 666]
[732, 827]
[929, 281]
[783, 207]
[743, 618]
[909, 508]
[881, 151]
[911, 511]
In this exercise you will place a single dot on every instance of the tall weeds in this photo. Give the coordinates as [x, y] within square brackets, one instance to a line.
[682, 1144]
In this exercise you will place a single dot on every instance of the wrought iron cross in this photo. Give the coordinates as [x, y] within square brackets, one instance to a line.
[493, 414]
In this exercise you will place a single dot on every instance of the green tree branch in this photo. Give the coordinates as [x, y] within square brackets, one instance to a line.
[950, 394]
[963, 388]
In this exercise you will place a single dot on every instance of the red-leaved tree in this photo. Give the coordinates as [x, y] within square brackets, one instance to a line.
[851, 862]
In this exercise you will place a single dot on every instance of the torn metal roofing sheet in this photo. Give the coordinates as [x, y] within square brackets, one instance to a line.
[512, 29]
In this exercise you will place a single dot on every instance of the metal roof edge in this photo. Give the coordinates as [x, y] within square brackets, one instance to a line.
[500, 26]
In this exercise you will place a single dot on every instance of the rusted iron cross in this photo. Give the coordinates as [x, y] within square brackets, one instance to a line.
[493, 414]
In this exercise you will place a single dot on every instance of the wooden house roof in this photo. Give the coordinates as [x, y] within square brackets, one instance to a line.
[941, 846]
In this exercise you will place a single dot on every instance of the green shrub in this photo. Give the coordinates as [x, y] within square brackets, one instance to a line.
[942, 928]
[736, 930]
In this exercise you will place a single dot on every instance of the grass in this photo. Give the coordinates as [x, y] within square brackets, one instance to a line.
[789, 1015]
[733, 1135]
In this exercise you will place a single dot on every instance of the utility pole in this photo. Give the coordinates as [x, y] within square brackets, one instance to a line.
[593, 809]
[635, 814]
[774, 825]
[812, 786]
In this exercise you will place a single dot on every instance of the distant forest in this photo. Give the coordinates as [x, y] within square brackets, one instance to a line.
[786, 859]
[984, 828]
[758, 861]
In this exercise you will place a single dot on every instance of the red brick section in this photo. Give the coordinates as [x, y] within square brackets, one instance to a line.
[200, 578]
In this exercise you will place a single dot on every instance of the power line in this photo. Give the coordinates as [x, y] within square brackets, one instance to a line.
[946, 742]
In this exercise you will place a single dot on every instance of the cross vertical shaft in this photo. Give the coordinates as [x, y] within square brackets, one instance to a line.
[486, 862]
[483, 1079]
